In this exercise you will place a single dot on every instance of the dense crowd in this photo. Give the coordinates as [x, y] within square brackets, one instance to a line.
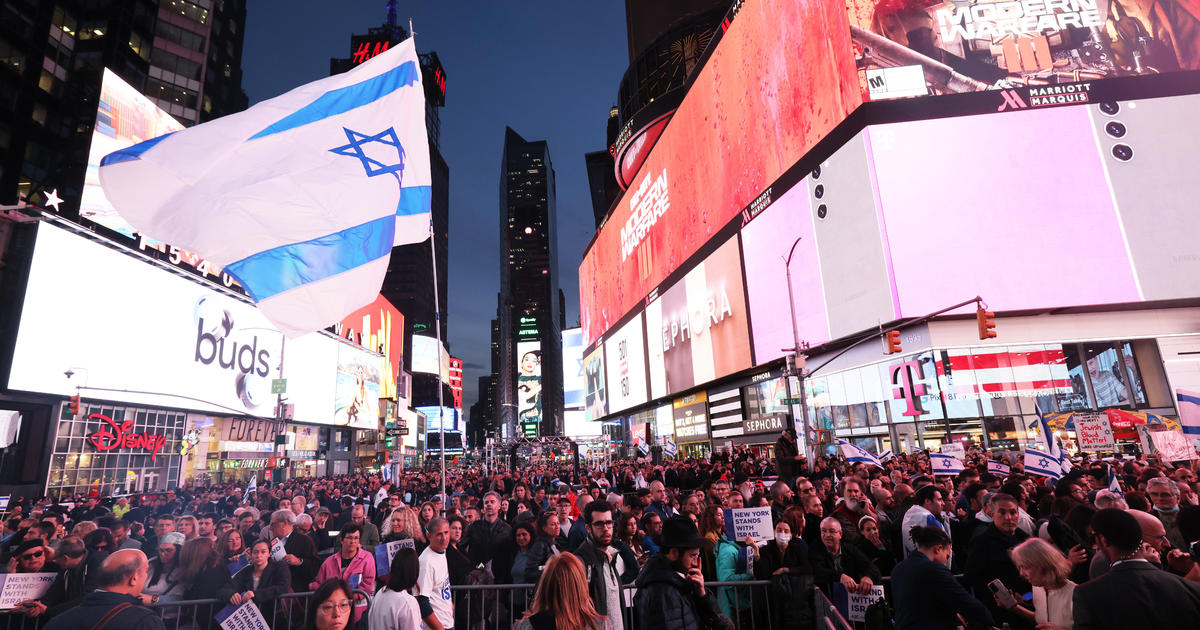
[1112, 543]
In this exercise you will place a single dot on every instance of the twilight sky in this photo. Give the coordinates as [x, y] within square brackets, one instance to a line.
[547, 68]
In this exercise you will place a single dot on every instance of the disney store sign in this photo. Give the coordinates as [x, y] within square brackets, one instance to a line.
[111, 436]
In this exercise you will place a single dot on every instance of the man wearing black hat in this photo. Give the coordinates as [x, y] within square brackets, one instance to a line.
[670, 588]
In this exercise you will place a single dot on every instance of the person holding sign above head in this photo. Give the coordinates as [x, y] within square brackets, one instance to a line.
[351, 563]
[394, 607]
[262, 581]
[925, 593]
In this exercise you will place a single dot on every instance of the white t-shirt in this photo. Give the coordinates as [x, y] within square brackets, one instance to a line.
[394, 610]
[434, 583]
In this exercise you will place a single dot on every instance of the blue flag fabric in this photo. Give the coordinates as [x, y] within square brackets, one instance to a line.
[856, 454]
[299, 198]
[945, 464]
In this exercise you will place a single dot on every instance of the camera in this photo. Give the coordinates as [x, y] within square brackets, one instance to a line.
[1115, 129]
[822, 211]
[819, 191]
[1122, 152]
[1110, 107]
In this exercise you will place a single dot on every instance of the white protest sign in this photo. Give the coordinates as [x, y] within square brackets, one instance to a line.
[385, 553]
[954, 449]
[18, 587]
[244, 617]
[857, 604]
[743, 522]
[1094, 433]
[277, 550]
[1173, 445]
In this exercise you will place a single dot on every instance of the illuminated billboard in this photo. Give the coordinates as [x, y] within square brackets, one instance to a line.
[697, 330]
[1036, 52]
[529, 383]
[142, 329]
[625, 352]
[425, 352]
[125, 117]
[434, 415]
[455, 380]
[356, 402]
[574, 379]
[595, 394]
[779, 80]
[378, 326]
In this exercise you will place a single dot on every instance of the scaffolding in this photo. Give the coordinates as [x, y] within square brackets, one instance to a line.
[519, 452]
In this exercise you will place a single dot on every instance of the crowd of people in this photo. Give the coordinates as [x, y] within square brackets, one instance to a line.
[641, 544]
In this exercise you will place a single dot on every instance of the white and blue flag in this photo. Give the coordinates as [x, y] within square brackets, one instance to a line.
[856, 454]
[945, 464]
[886, 455]
[998, 468]
[1113, 484]
[1042, 463]
[300, 198]
[670, 448]
[250, 487]
[1043, 456]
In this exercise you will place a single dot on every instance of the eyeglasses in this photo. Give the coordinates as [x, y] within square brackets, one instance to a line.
[602, 524]
[31, 556]
[342, 607]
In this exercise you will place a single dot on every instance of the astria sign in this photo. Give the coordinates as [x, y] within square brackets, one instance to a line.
[111, 436]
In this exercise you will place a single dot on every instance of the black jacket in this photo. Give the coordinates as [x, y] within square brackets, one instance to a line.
[770, 559]
[96, 604]
[1137, 594]
[853, 563]
[275, 581]
[302, 546]
[72, 584]
[926, 596]
[483, 540]
[594, 560]
[667, 601]
[987, 560]
[539, 554]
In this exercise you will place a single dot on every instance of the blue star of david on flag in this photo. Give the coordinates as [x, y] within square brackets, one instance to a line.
[373, 167]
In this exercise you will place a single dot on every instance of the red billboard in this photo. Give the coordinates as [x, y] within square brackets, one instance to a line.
[378, 326]
[780, 79]
[456, 378]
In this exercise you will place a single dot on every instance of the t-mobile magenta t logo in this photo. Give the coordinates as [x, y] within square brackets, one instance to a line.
[906, 379]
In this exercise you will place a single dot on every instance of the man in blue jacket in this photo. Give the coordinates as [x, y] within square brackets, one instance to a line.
[115, 604]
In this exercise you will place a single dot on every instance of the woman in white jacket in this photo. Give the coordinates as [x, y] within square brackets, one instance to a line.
[394, 607]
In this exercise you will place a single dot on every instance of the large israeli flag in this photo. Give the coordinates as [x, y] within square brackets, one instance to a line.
[300, 198]
[857, 454]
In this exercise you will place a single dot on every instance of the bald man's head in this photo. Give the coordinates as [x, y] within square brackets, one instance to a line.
[1153, 531]
[123, 571]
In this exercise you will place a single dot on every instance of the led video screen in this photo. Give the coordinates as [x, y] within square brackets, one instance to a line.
[781, 78]
[529, 383]
[574, 379]
[595, 395]
[1051, 47]
[697, 330]
[625, 351]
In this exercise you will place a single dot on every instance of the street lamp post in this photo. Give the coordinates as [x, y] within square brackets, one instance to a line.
[798, 362]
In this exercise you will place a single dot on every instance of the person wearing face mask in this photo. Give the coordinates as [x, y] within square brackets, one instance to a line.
[785, 553]
[1164, 495]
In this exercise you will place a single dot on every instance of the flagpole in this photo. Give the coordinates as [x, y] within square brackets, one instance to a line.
[437, 327]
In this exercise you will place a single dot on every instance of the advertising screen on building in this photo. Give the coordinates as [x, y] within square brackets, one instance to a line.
[1051, 48]
[691, 418]
[153, 331]
[358, 387]
[425, 352]
[529, 383]
[379, 327]
[125, 117]
[574, 380]
[697, 329]
[595, 396]
[449, 415]
[456, 378]
[626, 356]
[779, 80]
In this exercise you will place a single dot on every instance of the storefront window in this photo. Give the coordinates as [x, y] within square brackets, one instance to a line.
[764, 405]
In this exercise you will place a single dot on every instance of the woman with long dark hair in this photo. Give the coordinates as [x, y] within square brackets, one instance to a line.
[330, 606]
[545, 546]
[262, 581]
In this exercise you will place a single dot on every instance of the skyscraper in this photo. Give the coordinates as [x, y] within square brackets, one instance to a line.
[529, 375]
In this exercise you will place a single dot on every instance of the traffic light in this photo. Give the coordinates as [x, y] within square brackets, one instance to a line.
[986, 322]
[891, 342]
[73, 405]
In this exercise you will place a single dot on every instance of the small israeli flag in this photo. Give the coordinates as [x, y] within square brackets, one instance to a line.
[1113, 484]
[886, 455]
[854, 453]
[251, 487]
[1041, 463]
[998, 468]
[300, 198]
[945, 464]
[670, 448]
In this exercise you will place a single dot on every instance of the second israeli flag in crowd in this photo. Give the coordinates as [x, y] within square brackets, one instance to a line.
[300, 198]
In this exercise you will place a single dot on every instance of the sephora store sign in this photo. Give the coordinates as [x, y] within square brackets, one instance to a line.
[128, 330]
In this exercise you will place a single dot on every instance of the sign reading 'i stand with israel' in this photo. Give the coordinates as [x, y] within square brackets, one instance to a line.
[300, 198]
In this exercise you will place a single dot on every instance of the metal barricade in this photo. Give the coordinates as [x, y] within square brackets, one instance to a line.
[289, 611]
[828, 617]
